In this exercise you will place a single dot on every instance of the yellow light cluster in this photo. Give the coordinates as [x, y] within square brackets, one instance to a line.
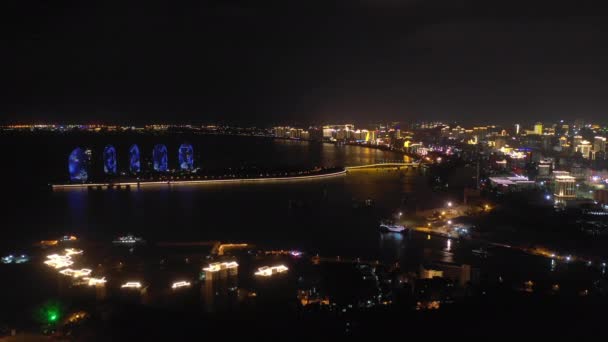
[59, 261]
[63, 262]
[73, 251]
[76, 273]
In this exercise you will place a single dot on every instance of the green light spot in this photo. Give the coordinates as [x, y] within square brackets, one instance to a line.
[52, 316]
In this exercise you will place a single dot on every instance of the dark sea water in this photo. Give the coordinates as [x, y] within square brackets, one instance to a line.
[317, 216]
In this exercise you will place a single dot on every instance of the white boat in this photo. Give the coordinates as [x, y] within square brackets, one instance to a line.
[391, 228]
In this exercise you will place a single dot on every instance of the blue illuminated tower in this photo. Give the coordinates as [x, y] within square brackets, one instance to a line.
[77, 166]
[160, 158]
[186, 157]
[109, 160]
[134, 163]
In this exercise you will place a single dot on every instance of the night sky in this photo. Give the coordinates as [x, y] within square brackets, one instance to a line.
[298, 62]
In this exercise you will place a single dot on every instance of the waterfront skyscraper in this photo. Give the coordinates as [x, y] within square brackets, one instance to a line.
[78, 162]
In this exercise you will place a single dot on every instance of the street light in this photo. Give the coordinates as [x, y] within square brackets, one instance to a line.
[450, 204]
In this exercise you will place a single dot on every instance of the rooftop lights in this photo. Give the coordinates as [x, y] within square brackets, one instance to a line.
[131, 285]
[95, 281]
[73, 251]
[59, 261]
[180, 284]
[76, 273]
[266, 271]
[218, 266]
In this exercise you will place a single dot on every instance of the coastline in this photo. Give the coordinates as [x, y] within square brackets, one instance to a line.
[339, 172]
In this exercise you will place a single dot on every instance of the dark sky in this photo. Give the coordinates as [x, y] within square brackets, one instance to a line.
[267, 62]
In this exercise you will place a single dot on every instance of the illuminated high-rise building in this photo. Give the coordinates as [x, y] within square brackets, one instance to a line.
[78, 162]
[219, 287]
[185, 155]
[584, 147]
[564, 186]
[280, 131]
[599, 148]
[134, 161]
[538, 128]
[517, 128]
[109, 160]
[544, 169]
[160, 158]
[599, 144]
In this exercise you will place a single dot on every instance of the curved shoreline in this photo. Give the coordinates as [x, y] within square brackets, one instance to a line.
[341, 172]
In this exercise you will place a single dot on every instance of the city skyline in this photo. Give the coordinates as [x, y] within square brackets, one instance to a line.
[303, 169]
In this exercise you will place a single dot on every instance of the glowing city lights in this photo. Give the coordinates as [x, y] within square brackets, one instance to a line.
[73, 251]
[59, 261]
[267, 271]
[131, 285]
[69, 238]
[218, 266]
[95, 281]
[180, 284]
[76, 273]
